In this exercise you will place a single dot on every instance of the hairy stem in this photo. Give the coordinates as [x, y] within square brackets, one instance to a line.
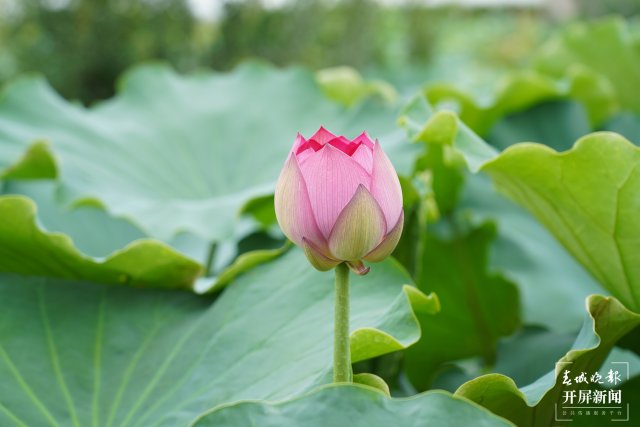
[341, 355]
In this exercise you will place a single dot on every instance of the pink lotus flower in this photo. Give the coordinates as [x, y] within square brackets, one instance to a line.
[340, 200]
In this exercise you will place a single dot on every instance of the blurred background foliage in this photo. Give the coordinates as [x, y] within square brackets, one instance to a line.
[82, 46]
[455, 220]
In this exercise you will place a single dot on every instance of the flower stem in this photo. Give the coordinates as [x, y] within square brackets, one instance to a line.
[341, 355]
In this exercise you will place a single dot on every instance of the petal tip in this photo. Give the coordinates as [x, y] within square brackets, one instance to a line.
[388, 244]
[358, 267]
[315, 256]
[322, 136]
[359, 228]
[365, 139]
[299, 142]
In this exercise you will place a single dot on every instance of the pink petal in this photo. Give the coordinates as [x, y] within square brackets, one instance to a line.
[293, 209]
[343, 144]
[385, 186]
[364, 156]
[332, 178]
[322, 136]
[303, 156]
[388, 244]
[364, 138]
[317, 258]
[359, 228]
[308, 145]
[300, 141]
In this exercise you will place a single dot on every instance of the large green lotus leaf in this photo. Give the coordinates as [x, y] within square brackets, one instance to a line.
[36, 163]
[27, 249]
[478, 307]
[182, 154]
[356, 406]
[528, 355]
[557, 124]
[97, 234]
[550, 281]
[520, 91]
[89, 354]
[607, 47]
[606, 322]
[91, 229]
[524, 357]
[587, 196]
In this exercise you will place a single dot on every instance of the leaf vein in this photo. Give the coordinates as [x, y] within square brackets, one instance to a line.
[55, 360]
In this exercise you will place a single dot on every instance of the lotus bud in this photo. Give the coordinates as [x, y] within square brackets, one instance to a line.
[340, 200]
